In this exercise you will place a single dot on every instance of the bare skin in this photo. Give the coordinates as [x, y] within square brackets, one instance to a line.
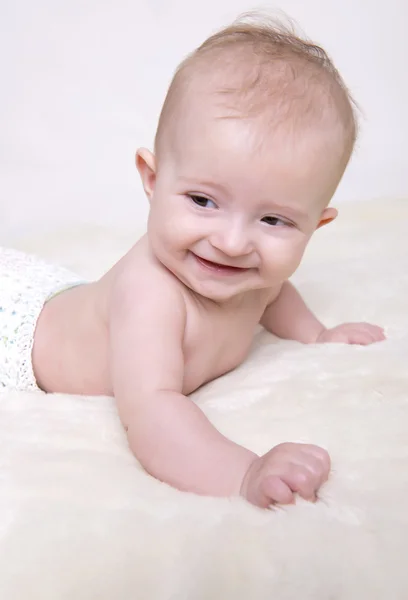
[81, 317]
[227, 229]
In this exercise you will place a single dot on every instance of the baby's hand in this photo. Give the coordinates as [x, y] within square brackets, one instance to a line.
[285, 470]
[352, 333]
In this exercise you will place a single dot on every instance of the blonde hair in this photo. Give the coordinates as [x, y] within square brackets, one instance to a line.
[257, 63]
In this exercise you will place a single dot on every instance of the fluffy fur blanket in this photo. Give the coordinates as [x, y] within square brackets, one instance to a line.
[80, 519]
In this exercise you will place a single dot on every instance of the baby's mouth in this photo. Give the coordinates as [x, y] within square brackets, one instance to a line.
[218, 267]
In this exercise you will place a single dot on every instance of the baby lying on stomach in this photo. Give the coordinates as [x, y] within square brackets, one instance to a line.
[255, 133]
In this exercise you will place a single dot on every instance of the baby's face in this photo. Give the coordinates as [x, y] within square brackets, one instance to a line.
[227, 218]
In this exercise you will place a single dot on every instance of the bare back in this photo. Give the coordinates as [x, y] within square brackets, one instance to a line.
[72, 348]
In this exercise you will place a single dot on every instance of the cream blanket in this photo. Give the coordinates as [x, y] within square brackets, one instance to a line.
[80, 519]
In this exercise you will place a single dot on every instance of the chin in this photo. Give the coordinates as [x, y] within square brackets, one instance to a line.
[217, 293]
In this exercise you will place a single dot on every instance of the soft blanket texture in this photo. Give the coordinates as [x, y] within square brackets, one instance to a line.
[80, 519]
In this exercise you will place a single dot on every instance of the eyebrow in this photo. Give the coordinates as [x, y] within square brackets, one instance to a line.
[205, 183]
[294, 213]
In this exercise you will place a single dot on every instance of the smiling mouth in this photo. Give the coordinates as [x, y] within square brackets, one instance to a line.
[219, 268]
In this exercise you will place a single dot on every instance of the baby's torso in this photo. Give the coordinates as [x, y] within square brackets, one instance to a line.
[217, 338]
[72, 344]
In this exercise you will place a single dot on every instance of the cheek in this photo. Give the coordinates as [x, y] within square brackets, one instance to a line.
[170, 224]
[283, 255]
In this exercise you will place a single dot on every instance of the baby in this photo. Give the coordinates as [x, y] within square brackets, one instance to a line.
[254, 136]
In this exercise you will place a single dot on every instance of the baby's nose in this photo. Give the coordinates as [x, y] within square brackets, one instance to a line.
[232, 241]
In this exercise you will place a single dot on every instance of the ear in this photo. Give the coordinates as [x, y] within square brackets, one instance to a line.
[146, 165]
[327, 216]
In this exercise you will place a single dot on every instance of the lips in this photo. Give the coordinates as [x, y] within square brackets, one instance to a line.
[218, 267]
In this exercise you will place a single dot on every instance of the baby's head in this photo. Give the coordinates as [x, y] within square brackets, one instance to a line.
[254, 136]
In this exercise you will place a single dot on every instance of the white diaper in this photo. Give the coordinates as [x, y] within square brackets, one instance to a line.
[26, 283]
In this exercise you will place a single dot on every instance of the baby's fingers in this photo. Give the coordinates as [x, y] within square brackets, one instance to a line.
[365, 333]
[376, 332]
[302, 481]
[319, 453]
[315, 458]
[365, 337]
[275, 491]
[361, 338]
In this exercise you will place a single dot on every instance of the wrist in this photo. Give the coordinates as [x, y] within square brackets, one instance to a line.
[247, 477]
[319, 333]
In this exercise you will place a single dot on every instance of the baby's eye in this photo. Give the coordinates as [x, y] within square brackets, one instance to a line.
[202, 201]
[276, 222]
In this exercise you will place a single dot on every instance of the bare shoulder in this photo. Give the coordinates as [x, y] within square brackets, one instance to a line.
[140, 281]
[141, 294]
[146, 317]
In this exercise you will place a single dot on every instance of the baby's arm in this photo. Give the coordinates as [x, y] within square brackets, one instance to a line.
[168, 433]
[288, 317]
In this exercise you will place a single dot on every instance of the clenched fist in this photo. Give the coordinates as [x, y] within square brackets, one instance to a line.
[284, 471]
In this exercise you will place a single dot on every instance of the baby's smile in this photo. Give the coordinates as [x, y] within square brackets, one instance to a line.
[221, 269]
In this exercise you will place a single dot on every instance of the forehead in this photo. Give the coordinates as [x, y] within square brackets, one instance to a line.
[252, 156]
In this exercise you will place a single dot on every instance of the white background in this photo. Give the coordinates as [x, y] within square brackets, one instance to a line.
[82, 82]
